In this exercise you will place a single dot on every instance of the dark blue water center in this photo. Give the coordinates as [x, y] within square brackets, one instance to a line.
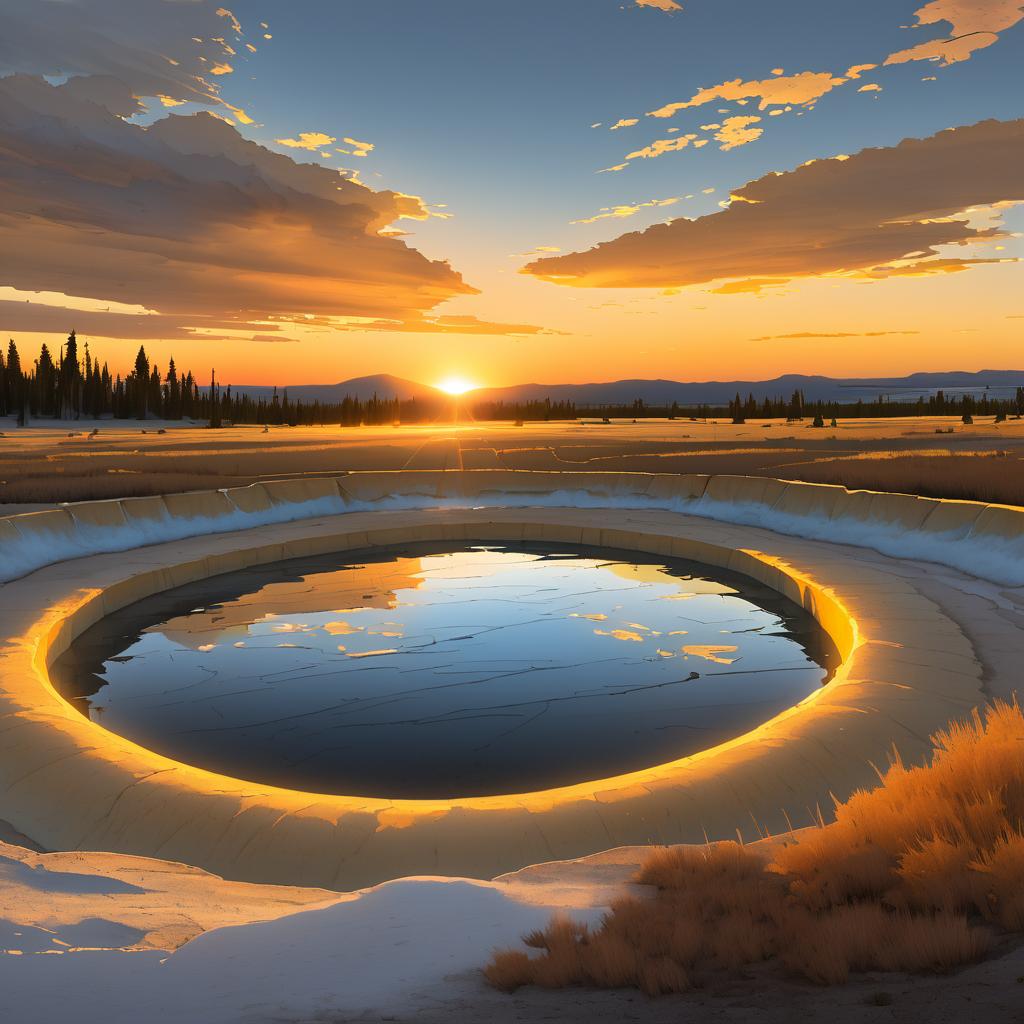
[440, 671]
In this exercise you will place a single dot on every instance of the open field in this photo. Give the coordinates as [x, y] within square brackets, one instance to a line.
[49, 462]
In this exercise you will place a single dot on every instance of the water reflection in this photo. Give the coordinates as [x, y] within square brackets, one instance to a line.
[435, 671]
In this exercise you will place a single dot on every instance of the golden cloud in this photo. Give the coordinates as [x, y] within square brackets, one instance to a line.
[801, 335]
[802, 89]
[658, 148]
[749, 286]
[736, 131]
[660, 5]
[841, 215]
[188, 218]
[307, 140]
[358, 148]
[447, 325]
[625, 210]
[928, 268]
[974, 25]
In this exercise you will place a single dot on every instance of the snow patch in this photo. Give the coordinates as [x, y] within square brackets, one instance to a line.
[398, 947]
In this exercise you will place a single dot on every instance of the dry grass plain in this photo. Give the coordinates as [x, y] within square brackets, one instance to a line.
[47, 462]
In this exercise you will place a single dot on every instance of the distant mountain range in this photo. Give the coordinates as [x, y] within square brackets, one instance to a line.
[998, 383]
[383, 385]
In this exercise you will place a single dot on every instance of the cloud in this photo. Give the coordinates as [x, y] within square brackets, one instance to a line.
[155, 48]
[451, 325]
[661, 5]
[799, 335]
[658, 148]
[736, 131]
[625, 210]
[307, 140]
[187, 218]
[781, 93]
[624, 122]
[358, 148]
[786, 90]
[928, 268]
[750, 286]
[841, 215]
[974, 25]
[49, 318]
[537, 250]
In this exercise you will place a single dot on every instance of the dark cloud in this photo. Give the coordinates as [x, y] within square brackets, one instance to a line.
[188, 218]
[846, 214]
[16, 317]
[149, 45]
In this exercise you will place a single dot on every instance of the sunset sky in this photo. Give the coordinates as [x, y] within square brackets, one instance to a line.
[304, 192]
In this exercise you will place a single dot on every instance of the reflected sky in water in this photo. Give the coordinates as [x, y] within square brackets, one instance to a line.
[437, 671]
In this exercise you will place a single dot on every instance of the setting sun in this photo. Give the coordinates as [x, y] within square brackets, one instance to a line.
[456, 385]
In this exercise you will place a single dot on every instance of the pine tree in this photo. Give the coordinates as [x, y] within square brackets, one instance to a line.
[69, 381]
[173, 389]
[215, 418]
[45, 383]
[140, 385]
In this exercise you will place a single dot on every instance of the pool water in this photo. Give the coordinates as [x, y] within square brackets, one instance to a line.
[434, 670]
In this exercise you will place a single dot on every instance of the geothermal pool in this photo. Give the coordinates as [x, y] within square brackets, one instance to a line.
[440, 670]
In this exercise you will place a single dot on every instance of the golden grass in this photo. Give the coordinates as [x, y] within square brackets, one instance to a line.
[920, 874]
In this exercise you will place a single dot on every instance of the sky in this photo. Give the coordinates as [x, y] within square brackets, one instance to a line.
[539, 190]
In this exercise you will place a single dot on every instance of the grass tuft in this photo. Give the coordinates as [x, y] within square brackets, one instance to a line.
[917, 875]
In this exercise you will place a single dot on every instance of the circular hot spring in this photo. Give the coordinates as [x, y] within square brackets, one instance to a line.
[440, 670]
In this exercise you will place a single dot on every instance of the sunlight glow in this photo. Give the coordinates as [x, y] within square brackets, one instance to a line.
[456, 385]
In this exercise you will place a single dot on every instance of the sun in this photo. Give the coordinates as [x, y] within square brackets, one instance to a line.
[456, 385]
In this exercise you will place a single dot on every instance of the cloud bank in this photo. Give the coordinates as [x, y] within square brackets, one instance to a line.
[156, 48]
[188, 218]
[846, 214]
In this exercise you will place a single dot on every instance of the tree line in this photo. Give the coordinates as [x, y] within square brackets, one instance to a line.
[71, 386]
[74, 385]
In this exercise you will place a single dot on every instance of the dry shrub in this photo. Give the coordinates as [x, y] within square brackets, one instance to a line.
[678, 867]
[935, 873]
[908, 877]
[826, 948]
[1002, 870]
[509, 970]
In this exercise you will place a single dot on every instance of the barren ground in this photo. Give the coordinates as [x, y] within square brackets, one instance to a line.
[52, 462]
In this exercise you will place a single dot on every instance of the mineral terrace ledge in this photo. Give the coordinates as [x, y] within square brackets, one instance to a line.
[984, 540]
[71, 785]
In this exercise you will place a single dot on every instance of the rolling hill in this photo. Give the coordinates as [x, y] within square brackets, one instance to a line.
[998, 384]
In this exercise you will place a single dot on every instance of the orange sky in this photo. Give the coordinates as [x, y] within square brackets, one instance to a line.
[791, 203]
